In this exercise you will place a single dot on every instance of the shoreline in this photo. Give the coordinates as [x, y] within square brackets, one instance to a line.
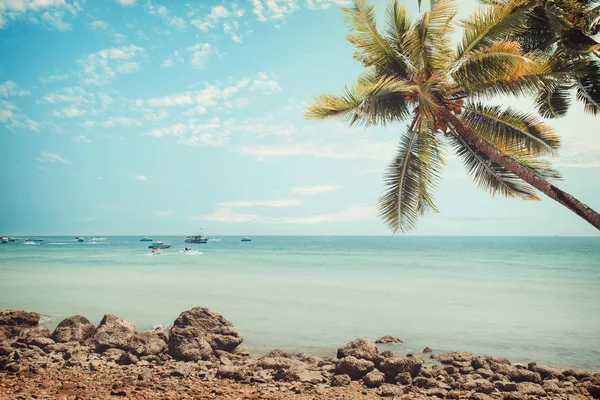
[200, 358]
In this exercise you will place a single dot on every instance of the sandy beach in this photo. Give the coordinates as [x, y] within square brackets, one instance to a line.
[199, 359]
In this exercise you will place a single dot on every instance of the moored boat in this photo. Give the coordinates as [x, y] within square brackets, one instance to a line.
[159, 245]
[246, 239]
[35, 239]
[79, 239]
[146, 239]
[196, 239]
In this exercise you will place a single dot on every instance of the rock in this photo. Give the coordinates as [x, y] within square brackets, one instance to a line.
[33, 336]
[456, 356]
[403, 378]
[594, 391]
[76, 328]
[299, 374]
[390, 391]
[276, 363]
[196, 333]
[396, 365]
[546, 372]
[388, 339]
[184, 369]
[340, 380]
[386, 354]
[531, 389]
[374, 378]
[149, 343]
[505, 386]
[127, 359]
[354, 367]
[523, 375]
[12, 322]
[113, 333]
[362, 349]
[278, 353]
[427, 350]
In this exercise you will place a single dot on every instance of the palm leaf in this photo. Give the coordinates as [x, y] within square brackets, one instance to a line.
[510, 129]
[410, 177]
[398, 23]
[554, 103]
[588, 88]
[487, 174]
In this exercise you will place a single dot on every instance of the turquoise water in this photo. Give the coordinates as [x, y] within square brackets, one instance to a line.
[524, 298]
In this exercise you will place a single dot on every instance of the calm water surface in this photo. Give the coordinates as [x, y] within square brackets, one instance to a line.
[522, 298]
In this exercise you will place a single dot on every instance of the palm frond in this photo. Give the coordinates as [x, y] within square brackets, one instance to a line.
[554, 103]
[410, 177]
[371, 48]
[490, 24]
[370, 101]
[588, 88]
[514, 131]
[487, 174]
[398, 23]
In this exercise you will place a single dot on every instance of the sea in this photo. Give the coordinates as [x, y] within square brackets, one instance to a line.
[523, 298]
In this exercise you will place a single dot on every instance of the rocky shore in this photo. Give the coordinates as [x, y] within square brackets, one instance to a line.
[200, 359]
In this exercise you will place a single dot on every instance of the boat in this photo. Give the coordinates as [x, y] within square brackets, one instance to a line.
[11, 239]
[196, 239]
[146, 239]
[246, 239]
[4, 240]
[35, 239]
[96, 239]
[79, 239]
[159, 245]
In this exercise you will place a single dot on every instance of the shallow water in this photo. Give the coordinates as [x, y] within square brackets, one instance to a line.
[522, 298]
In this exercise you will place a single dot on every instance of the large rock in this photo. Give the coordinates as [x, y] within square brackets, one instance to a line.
[76, 328]
[114, 333]
[374, 378]
[149, 343]
[388, 339]
[363, 349]
[198, 332]
[395, 365]
[12, 322]
[354, 367]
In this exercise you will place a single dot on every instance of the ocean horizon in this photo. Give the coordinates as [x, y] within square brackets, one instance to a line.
[527, 298]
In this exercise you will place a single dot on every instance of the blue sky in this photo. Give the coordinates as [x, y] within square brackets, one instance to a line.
[144, 117]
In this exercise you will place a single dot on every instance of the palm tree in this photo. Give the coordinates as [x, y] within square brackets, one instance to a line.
[565, 29]
[412, 73]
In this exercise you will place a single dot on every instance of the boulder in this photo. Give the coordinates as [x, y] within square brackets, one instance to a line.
[299, 374]
[391, 391]
[114, 333]
[396, 365]
[278, 353]
[388, 339]
[458, 356]
[149, 343]
[532, 389]
[276, 363]
[12, 322]
[198, 332]
[362, 349]
[374, 378]
[523, 375]
[31, 335]
[340, 380]
[76, 328]
[354, 367]
[427, 350]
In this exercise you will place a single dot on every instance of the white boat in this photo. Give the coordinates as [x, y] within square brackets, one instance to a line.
[196, 239]
[35, 239]
[79, 239]
[4, 240]
[95, 239]
[146, 239]
[246, 239]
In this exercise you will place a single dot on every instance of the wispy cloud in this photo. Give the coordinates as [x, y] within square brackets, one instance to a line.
[265, 83]
[266, 10]
[54, 78]
[13, 119]
[53, 158]
[164, 13]
[10, 88]
[199, 54]
[162, 213]
[225, 215]
[143, 178]
[103, 66]
[220, 15]
[314, 189]
[125, 2]
[354, 212]
[82, 139]
[323, 4]
[69, 112]
[261, 203]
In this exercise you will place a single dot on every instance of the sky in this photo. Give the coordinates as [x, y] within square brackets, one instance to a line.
[172, 117]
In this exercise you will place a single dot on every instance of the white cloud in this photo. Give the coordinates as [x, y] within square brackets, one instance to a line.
[10, 88]
[54, 14]
[209, 133]
[167, 63]
[51, 157]
[11, 118]
[225, 215]
[199, 54]
[126, 2]
[82, 139]
[102, 66]
[162, 213]
[178, 99]
[99, 25]
[220, 15]
[314, 189]
[113, 121]
[54, 78]
[69, 112]
[141, 178]
[354, 212]
[265, 84]
[266, 10]
[323, 4]
[261, 203]
[72, 94]
[164, 13]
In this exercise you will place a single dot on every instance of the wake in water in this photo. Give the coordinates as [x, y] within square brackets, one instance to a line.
[190, 253]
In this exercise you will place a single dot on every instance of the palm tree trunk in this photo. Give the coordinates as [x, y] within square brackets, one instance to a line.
[522, 171]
